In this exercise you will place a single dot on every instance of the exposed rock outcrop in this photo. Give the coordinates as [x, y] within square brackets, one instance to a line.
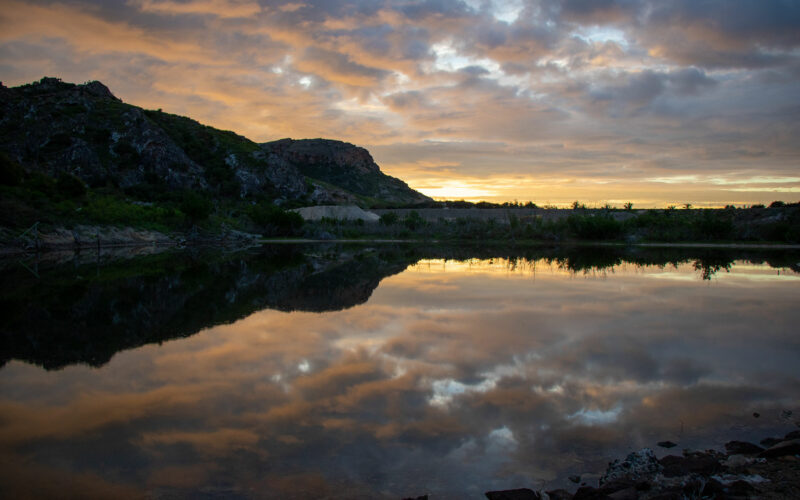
[344, 165]
[775, 473]
[336, 212]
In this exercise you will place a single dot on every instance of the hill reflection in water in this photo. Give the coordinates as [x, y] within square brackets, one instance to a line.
[314, 371]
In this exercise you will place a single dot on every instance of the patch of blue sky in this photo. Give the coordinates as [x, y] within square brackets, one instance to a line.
[506, 11]
[596, 417]
[602, 34]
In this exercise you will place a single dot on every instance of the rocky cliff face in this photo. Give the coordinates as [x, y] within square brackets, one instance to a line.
[344, 165]
[53, 127]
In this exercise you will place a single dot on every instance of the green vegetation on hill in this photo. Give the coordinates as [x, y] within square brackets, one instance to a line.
[76, 153]
[29, 198]
[210, 148]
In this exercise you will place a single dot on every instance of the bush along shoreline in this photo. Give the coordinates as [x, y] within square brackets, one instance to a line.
[102, 221]
[776, 224]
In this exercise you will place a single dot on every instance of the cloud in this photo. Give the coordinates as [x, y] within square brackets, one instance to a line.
[597, 12]
[636, 92]
[723, 34]
[622, 85]
[690, 81]
[336, 67]
[218, 8]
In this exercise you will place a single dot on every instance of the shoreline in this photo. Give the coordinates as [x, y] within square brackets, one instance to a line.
[768, 470]
[253, 240]
[103, 237]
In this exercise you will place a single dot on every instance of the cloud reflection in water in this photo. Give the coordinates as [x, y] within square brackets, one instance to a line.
[453, 379]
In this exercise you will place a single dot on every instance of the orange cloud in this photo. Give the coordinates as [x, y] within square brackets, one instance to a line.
[626, 101]
[219, 8]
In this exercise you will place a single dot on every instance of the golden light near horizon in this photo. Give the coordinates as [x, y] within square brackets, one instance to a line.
[650, 102]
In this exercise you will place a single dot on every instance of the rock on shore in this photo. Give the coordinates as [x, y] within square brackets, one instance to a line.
[744, 471]
[350, 212]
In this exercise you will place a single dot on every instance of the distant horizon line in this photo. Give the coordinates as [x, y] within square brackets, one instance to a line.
[598, 205]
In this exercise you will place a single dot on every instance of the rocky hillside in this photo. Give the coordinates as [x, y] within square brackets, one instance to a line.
[55, 128]
[345, 166]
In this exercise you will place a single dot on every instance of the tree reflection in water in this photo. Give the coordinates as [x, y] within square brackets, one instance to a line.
[373, 371]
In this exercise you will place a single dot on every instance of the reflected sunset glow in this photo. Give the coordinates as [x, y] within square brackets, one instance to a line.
[455, 377]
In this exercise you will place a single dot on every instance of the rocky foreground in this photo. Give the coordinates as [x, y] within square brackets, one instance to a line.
[744, 470]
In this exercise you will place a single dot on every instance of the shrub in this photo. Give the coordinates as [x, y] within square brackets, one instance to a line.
[57, 143]
[388, 219]
[714, 225]
[594, 227]
[576, 205]
[41, 183]
[127, 155]
[105, 209]
[274, 221]
[70, 187]
[413, 220]
[11, 173]
[196, 207]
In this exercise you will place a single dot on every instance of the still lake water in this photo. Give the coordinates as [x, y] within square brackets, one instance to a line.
[370, 372]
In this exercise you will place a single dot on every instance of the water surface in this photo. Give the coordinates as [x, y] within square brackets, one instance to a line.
[295, 372]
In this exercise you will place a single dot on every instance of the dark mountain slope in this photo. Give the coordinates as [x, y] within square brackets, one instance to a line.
[55, 128]
[345, 166]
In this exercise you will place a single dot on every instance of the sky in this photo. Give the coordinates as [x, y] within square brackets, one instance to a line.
[609, 101]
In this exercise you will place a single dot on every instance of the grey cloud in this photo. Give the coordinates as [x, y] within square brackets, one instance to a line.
[598, 11]
[723, 34]
[336, 66]
[781, 76]
[406, 100]
[689, 52]
[689, 81]
[684, 371]
[636, 92]
[414, 47]
[318, 10]
[420, 9]
[373, 38]
[511, 68]
[474, 70]
[490, 35]
[540, 35]
[767, 22]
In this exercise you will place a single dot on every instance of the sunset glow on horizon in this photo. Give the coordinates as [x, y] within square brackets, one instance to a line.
[643, 101]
